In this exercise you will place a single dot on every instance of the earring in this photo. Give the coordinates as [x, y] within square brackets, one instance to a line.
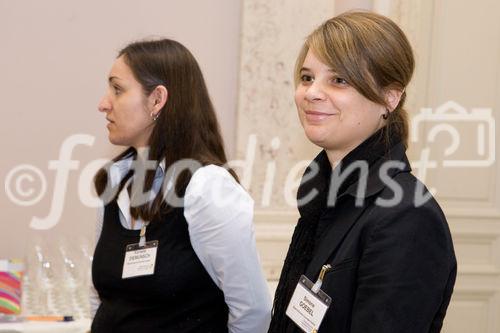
[155, 116]
[386, 114]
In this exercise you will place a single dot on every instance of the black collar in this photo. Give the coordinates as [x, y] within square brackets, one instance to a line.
[374, 183]
[320, 182]
[376, 154]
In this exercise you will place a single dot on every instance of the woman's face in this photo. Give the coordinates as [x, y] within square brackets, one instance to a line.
[125, 106]
[334, 115]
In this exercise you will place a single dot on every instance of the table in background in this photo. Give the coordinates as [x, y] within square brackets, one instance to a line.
[78, 326]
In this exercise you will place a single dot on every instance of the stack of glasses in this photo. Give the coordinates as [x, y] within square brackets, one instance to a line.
[52, 282]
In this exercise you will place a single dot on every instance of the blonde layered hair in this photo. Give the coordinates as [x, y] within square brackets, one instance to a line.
[372, 53]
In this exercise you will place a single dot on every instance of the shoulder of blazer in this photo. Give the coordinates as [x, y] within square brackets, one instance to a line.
[404, 193]
[413, 203]
[416, 215]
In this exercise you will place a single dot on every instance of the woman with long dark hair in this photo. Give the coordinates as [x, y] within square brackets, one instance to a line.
[176, 249]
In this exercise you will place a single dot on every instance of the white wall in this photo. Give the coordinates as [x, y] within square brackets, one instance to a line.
[54, 60]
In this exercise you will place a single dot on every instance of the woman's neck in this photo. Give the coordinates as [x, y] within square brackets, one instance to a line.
[142, 153]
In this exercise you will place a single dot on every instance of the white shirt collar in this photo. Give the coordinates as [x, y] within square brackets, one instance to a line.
[120, 168]
[162, 166]
[117, 172]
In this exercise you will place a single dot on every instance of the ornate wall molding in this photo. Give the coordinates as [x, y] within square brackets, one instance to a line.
[272, 34]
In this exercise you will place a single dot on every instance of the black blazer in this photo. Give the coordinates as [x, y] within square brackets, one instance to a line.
[394, 268]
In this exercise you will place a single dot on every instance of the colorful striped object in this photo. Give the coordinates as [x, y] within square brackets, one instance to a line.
[11, 272]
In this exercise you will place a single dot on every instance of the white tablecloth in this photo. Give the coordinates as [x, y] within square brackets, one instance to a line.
[78, 326]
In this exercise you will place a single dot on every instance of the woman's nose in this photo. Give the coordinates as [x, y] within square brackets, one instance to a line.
[104, 104]
[315, 92]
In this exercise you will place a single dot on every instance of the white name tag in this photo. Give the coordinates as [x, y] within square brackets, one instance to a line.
[306, 308]
[140, 260]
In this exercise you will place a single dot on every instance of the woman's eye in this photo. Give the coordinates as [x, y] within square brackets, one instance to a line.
[339, 81]
[117, 90]
[306, 78]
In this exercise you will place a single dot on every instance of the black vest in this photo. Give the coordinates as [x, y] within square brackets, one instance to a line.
[180, 297]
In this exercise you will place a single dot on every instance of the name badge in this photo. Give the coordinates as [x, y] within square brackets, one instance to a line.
[140, 260]
[307, 308]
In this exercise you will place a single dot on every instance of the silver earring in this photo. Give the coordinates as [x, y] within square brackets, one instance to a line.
[155, 116]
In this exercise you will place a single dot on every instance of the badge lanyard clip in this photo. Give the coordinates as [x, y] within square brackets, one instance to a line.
[142, 239]
[317, 286]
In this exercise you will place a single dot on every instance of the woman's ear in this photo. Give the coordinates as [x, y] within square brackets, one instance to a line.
[158, 98]
[392, 97]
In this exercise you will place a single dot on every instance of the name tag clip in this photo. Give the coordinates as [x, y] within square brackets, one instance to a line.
[317, 286]
[142, 235]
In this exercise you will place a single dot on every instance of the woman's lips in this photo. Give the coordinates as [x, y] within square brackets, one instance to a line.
[109, 123]
[316, 116]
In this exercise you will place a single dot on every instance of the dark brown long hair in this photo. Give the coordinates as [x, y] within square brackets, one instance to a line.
[187, 126]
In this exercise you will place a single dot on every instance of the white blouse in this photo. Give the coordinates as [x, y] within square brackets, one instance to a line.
[219, 214]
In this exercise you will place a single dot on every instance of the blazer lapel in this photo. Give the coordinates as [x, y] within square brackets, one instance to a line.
[334, 236]
[351, 212]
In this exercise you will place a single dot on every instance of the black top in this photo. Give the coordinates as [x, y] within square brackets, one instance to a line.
[180, 296]
[394, 267]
